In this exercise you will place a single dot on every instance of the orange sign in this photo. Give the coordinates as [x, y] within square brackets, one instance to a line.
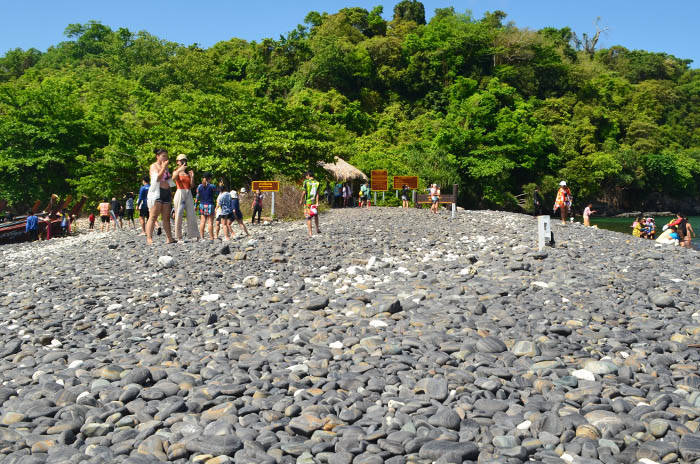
[266, 185]
[379, 181]
[410, 181]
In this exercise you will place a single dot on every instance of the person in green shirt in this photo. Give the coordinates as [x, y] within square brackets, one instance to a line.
[364, 195]
[310, 201]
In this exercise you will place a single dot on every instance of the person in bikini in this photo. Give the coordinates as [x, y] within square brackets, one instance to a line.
[159, 201]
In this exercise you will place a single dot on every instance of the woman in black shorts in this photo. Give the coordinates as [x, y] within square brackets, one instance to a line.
[159, 205]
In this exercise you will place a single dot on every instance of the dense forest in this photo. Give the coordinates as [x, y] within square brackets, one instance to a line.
[474, 101]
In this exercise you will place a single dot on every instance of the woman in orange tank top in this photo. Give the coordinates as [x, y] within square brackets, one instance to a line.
[183, 201]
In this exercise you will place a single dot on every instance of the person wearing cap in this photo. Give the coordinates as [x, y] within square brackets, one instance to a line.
[183, 201]
[564, 201]
[205, 197]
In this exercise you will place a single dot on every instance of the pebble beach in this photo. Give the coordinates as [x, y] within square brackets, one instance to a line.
[396, 336]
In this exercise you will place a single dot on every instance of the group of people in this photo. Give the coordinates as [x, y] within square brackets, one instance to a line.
[341, 195]
[217, 206]
[644, 228]
[31, 227]
[678, 231]
[115, 213]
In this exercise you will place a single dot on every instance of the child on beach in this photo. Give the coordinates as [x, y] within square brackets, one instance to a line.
[91, 219]
[587, 214]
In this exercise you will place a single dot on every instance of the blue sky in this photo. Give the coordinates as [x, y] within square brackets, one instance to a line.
[643, 24]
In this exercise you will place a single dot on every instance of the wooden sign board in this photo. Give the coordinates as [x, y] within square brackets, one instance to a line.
[266, 185]
[410, 181]
[379, 181]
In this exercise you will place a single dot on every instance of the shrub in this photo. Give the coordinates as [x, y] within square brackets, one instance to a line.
[287, 200]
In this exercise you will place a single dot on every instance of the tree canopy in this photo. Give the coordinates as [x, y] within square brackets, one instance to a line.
[474, 101]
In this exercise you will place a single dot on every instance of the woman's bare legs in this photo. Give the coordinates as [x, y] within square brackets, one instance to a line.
[240, 223]
[165, 212]
[153, 214]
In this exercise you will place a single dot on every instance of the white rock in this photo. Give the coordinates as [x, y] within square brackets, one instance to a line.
[210, 297]
[336, 345]
[166, 261]
[377, 323]
[299, 368]
[114, 307]
[252, 242]
[75, 364]
[537, 283]
[56, 344]
[352, 270]
[251, 281]
[82, 395]
[524, 425]
[647, 461]
[37, 374]
[296, 338]
[269, 283]
[567, 457]
[370, 262]
[583, 374]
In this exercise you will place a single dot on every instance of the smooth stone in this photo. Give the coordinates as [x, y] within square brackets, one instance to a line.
[689, 446]
[525, 348]
[445, 417]
[449, 451]
[600, 367]
[215, 445]
[490, 344]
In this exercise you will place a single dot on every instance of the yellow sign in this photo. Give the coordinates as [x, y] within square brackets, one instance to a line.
[379, 181]
[266, 185]
[409, 181]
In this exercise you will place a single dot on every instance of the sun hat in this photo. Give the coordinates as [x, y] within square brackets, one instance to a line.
[181, 156]
[563, 183]
[243, 190]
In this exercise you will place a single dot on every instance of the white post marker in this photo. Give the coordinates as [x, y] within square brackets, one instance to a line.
[375, 198]
[272, 208]
[454, 210]
[544, 231]
[383, 195]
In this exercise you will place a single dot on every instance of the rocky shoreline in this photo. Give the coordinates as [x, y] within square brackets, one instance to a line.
[394, 337]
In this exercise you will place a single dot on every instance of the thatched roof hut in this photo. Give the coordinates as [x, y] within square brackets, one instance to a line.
[343, 171]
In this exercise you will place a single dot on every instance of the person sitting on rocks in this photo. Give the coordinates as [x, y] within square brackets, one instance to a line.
[637, 227]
